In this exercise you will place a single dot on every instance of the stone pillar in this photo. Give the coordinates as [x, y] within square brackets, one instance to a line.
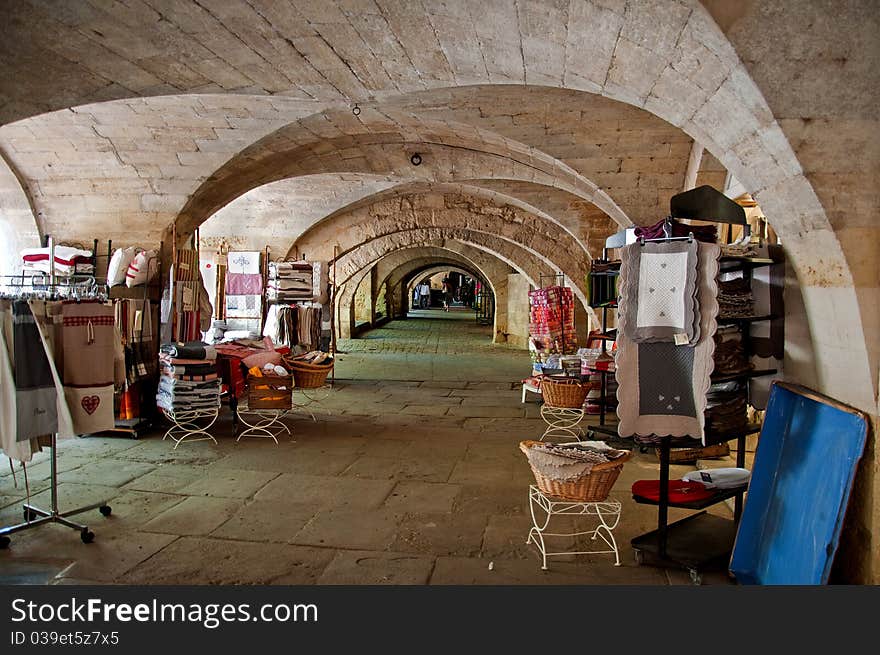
[518, 310]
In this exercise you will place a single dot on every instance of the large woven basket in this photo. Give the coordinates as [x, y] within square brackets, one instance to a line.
[565, 393]
[592, 487]
[308, 376]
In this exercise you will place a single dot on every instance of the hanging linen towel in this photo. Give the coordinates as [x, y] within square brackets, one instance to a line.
[91, 408]
[48, 317]
[21, 451]
[659, 282]
[88, 335]
[662, 387]
[243, 275]
[35, 394]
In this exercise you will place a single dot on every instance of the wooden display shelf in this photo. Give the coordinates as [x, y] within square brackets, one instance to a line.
[746, 319]
[695, 543]
[743, 376]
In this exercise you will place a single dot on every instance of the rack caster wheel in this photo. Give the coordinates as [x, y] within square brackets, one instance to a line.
[4, 543]
[87, 536]
[696, 578]
[640, 558]
[643, 449]
[29, 515]
[105, 510]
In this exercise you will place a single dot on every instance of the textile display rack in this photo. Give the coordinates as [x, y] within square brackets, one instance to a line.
[35, 516]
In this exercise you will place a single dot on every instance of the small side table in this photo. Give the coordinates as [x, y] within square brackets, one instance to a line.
[606, 512]
[187, 425]
[266, 423]
[562, 422]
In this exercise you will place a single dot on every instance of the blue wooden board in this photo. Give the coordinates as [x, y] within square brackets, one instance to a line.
[801, 481]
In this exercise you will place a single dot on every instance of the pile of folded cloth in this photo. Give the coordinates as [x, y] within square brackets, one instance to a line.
[742, 248]
[735, 298]
[570, 460]
[189, 380]
[730, 353]
[290, 281]
[68, 260]
[726, 407]
[705, 233]
[243, 354]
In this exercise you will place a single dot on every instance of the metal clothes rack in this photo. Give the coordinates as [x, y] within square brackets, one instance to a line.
[31, 512]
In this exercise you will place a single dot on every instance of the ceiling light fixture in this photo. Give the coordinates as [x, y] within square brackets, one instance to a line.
[356, 110]
[416, 159]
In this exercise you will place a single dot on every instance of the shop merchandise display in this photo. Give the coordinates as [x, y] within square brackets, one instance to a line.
[243, 275]
[727, 407]
[662, 386]
[551, 320]
[564, 461]
[720, 478]
[68, 260]
[295, 281]
[735, 298]
[730, 353]
[142, 268]
[118, 266]
[189, 381]
[661, 304]
[704, 233]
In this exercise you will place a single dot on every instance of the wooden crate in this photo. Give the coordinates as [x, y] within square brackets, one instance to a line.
[270, 392]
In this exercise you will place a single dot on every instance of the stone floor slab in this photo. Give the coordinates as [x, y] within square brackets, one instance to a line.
[195, 515]
[110, 472]
[412, 496]
[229, 483]
[370, 567]
[194, 561]
[366, 529]
[326, 491]
[266, 521]
[441, 534]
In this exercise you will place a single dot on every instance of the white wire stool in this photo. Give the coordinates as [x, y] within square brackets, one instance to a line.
[562, 422]
[607, 513]
[264, 423]
[186, 425]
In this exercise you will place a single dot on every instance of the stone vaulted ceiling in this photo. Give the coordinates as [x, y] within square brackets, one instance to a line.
[121, 118]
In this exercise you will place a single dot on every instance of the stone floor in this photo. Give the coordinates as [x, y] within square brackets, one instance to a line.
[410, 474]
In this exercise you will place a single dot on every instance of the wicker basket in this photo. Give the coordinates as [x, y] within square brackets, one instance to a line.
[308, 376]
[593, 487]
[565, 393]
[270, 392]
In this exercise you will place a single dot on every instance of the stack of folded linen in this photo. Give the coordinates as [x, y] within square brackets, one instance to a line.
[189, 379]
[68, 261]
[289, 281]
[735, 299]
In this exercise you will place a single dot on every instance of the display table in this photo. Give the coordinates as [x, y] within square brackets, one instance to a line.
[606, 513]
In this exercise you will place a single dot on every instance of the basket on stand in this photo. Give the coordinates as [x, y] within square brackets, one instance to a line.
[270, 392]
[565, 393]
[308, 376]
[590, 487]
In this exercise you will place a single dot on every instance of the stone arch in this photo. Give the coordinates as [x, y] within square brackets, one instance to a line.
[489, 267]
[457, 215]
[18, 223]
